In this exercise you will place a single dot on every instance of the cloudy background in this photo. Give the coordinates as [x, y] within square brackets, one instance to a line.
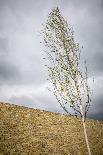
[22, 72]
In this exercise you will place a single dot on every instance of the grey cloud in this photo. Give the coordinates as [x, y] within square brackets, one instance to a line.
[36, 102]
[3, 46]
[86, 19]
[48, 102]
[23, 100]
[97, 116]
[18, 22]
[97, 63]
[96, 110]
[7, 70]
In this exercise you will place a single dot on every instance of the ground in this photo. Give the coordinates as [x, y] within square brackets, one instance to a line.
[28, 131]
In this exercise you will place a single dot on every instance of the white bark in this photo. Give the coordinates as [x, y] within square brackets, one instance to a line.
[85, 131]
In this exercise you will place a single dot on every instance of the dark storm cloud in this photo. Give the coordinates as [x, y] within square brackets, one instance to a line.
[96, 110]
[98, 63]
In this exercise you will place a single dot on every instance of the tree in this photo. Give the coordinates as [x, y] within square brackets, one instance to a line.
[70, 84]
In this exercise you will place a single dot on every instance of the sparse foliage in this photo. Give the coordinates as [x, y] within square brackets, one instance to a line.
[70, 84]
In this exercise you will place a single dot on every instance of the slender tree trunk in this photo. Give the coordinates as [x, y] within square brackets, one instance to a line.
[86, 138]
[85, 131]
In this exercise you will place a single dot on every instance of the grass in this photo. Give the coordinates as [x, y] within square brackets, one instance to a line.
[27, 131]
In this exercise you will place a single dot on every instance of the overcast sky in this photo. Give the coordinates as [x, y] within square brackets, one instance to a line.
[22, 72]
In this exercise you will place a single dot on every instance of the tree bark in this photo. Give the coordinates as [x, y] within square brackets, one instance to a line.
[85, 131]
